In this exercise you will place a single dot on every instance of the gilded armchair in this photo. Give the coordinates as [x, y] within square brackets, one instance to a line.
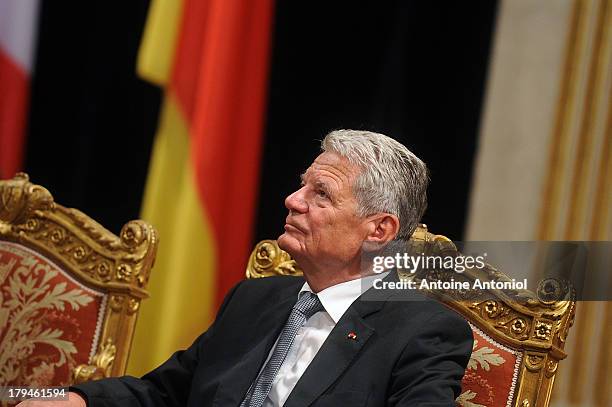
[70, 290]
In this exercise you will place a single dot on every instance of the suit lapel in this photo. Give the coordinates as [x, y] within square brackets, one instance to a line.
[336, 353]
[232, 390]
[339, 349]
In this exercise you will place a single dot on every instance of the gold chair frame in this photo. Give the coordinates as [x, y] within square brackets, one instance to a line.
[536, 326]
[117, 265]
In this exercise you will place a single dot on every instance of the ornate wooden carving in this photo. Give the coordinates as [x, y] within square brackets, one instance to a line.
[119, 265]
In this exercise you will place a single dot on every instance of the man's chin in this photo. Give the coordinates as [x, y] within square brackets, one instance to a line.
[288, 243]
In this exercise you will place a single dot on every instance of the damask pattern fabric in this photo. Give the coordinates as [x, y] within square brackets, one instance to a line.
[491, 374]
[49, 323]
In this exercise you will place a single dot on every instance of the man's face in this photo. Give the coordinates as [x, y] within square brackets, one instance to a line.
[323, 227]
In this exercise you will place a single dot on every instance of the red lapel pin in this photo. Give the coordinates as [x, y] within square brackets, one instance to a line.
[352, 335]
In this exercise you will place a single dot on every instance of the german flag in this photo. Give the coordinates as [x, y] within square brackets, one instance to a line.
[211, 57]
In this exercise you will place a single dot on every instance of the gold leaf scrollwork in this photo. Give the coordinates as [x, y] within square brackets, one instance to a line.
[132, 234]
[265, 255]
[79, 253]
[132, 306]
[492, 309]
[57, 236]
[106, 356]
[562, 334]
[29, 214]
[100, 263]
[101, 366]
[85, 373]
[104, 271]
[116, 302]
[554, 290]
[534, 363]
[32, 225]
[267, 259]
[551, 368]
[124, 272]
[19, 199]
[518, 326]
[503, 318]
[542, 330]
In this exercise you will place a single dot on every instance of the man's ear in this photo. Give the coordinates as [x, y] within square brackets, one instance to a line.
[383, 227]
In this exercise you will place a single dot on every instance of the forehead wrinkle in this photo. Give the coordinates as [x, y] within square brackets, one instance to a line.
[338, 170]
[341, 172]
[321, 174]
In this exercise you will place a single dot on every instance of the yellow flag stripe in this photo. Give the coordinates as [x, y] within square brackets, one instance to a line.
[159, 41]
[182, 283]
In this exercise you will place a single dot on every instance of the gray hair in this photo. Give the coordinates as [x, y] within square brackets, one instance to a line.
[392, 179]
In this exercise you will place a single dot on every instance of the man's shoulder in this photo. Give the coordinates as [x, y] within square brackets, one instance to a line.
[421, 309]
[407, 301]
[272, 282]
[264, 287]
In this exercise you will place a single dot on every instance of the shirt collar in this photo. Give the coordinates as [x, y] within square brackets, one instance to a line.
[337, 298]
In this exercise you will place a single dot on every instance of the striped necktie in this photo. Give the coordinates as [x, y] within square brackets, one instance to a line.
[307, 305]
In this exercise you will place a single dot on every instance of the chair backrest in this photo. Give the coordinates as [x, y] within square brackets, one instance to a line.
[70, 290]
[517, 344]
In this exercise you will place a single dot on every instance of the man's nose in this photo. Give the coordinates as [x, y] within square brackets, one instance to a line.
[296, 203]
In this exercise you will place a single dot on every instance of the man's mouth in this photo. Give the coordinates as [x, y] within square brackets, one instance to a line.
[292, 227]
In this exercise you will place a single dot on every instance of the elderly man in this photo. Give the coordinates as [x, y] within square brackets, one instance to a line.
[288, 341]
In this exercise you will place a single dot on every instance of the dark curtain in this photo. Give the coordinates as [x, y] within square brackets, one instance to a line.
[92, 120]
[414, 70]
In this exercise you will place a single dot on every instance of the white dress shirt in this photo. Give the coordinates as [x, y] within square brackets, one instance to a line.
[310, 337]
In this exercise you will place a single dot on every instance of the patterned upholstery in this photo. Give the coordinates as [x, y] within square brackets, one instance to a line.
[491, 375]
[49, 323]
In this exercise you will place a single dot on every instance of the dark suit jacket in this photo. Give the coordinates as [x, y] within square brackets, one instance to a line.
[408, 352]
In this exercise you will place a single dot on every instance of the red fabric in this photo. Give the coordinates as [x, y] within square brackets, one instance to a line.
[220, 80]
[488, 380]
[47, 321]
[14, 95]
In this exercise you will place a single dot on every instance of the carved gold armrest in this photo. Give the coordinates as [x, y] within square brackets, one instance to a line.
[102, 363]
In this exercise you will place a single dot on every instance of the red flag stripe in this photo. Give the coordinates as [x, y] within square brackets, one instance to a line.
[14, 97]
[224, 48]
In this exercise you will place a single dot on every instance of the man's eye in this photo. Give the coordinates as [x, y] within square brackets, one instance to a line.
[322, 193]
